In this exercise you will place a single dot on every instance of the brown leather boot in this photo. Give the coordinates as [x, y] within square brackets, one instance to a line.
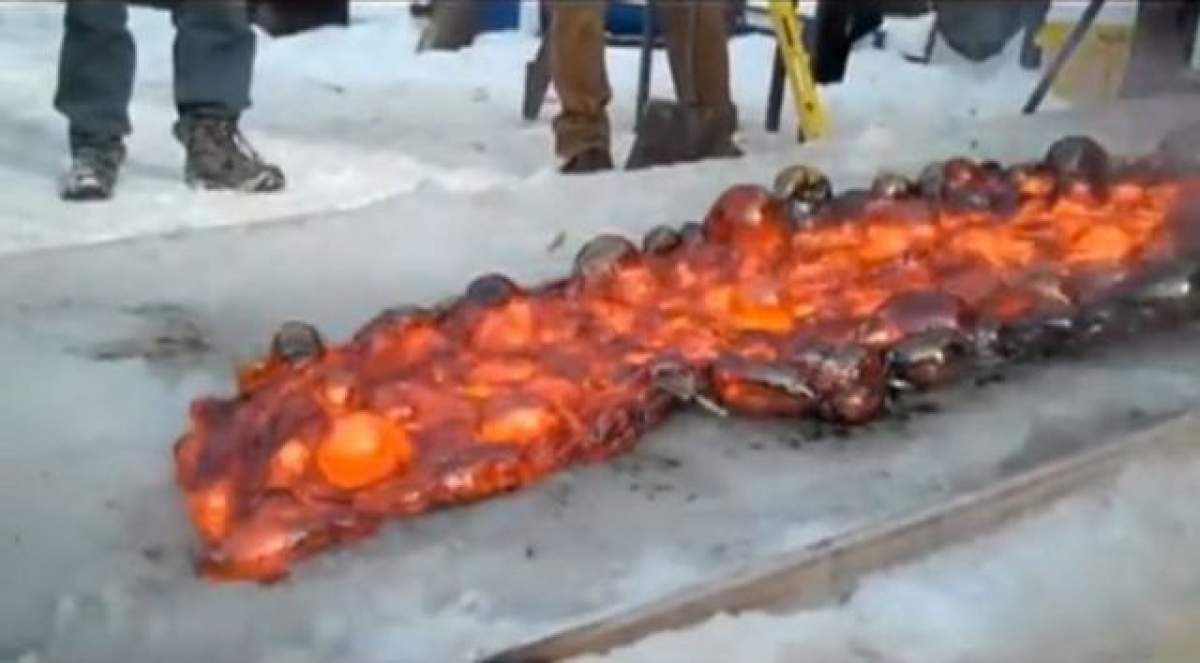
[591, 160]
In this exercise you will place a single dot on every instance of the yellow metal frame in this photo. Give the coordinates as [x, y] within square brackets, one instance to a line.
[789, 34]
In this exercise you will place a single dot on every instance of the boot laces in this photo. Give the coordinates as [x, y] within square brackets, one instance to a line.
[94, 158]
[228, 134]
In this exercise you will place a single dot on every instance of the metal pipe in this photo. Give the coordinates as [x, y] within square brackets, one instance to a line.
[775, 95]
[1068, 49]
[644, 66]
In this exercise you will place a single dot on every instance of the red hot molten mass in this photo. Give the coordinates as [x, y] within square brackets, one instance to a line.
[789, 303]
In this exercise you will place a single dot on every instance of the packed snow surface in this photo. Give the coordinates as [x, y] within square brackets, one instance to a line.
[1108, 577]
[355, 115]
[393, 159]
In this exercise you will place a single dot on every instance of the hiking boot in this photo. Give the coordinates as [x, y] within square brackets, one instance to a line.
[591, 160]
[95, 165]
[220, 157]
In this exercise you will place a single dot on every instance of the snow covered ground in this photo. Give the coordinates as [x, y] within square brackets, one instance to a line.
[376, 140]
[1104, 577]
[356, 115]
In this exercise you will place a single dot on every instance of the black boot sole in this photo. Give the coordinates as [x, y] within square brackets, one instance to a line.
[85, 196]
[266, 182]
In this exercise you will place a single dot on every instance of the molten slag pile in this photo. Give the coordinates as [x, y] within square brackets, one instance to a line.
[787, 303]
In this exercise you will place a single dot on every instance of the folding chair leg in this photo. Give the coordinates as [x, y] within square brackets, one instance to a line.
[775, 94]
[926, 55]
[537, 82]
[645, 64]
[789, 35]
[1060, 60]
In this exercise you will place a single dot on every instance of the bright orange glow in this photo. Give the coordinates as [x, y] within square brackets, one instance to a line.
[506, 385]
[361, 449]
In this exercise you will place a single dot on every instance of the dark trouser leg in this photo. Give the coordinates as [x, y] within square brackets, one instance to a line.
[579, 76]
[96, 68]
[830, 41]
[1033, 17]
[214, 60]
[1161, 45]
[214, 55]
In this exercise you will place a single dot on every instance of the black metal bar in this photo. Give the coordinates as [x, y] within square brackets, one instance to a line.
[775, 95]
[646, 63]
[537, 81]
[1033, 17]
[930, 44]
[1060, 60]
[927, 51]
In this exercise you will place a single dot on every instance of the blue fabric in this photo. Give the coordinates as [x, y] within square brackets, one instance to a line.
[499, 15]
[623, 18]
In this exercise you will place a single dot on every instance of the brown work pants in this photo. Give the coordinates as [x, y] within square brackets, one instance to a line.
[578, 72]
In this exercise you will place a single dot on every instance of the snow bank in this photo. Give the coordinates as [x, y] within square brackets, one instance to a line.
[355, 115]
[392, 152]
[1109, 576]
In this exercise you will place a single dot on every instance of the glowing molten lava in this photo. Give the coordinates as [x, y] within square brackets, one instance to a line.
[768, 308]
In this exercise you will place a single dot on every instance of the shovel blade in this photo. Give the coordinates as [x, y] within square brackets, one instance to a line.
[669, 133]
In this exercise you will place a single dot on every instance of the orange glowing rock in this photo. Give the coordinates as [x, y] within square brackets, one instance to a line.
[509, 327]
[776, 305]
[1104, 244]
[211, 510]
[517, 419]
[361, 449]
[289, 464]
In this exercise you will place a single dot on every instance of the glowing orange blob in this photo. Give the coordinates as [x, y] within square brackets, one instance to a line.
[361, 449]
[748, 311]
[517, 420]
[211, 510]
[289, 464]
[1101, 244]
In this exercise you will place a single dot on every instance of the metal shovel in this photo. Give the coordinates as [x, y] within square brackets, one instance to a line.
[670, 131]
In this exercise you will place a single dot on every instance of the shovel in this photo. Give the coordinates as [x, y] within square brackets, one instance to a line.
[537, 81]
[670, 132]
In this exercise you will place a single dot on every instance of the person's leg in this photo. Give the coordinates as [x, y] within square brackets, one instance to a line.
[580, 79]
[828, 39]
[214, 55]
[214, 60]
[865, 22]
[708, 75]
[702, 25]
[1033, 17]
[95, 68]
[95, 83]
[1158, 57]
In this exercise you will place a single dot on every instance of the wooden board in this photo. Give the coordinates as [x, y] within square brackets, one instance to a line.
[827, 570]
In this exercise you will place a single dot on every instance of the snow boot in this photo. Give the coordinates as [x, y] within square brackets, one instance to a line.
[219, 157]
[591, 160]
[95, 165]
